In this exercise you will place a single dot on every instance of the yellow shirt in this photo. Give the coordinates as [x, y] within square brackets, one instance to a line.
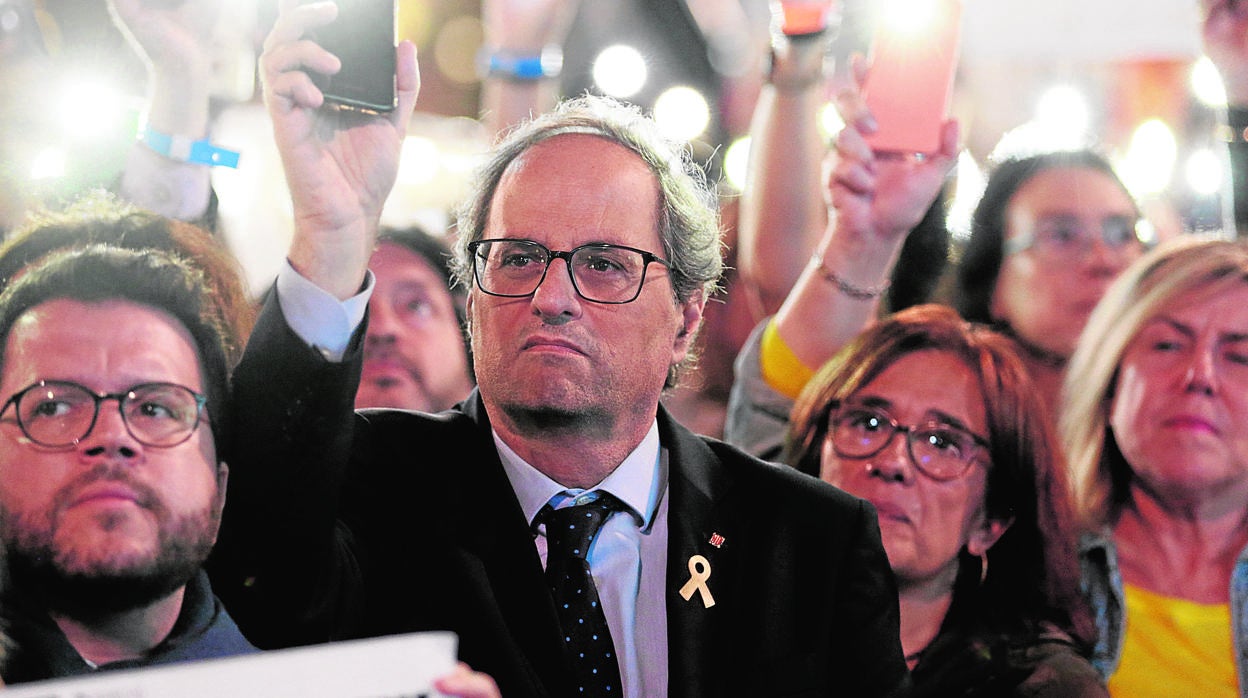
[783, 371]
[1174, 647]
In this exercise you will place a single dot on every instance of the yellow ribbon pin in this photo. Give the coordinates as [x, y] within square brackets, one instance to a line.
[699, 572]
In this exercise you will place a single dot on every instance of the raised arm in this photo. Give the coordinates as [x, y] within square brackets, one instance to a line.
[877, 199]
[340, 165]
[174, 41]
[518, 33]
[283, 563]
[783, 211]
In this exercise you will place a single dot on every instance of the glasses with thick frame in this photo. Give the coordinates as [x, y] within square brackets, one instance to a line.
[60, 414]
[600, 272]
[1062, 238]
[940, 450]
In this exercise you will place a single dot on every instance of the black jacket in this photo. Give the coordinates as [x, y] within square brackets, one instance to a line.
[343, 525]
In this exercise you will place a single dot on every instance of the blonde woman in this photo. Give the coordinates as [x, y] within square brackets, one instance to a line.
[1155, 426]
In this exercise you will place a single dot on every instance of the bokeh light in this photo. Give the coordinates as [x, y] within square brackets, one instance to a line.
[620, 71]
[49, 163]
[419, 161]
[970, 181]
[1064, 110]
[909, 17]
[1149, 163]
[1207, 83]
[737, 162]
[1203, 172]
[455, 48]
[682, 113]
[89, 109]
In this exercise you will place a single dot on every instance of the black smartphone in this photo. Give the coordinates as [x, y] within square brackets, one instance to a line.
[362, 37]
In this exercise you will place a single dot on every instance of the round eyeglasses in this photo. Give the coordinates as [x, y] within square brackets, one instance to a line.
[1062, 238]
[939, 450]
[60, 414]
[600, 272]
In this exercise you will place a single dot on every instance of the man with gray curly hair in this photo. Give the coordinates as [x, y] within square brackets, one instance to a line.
[577, 538]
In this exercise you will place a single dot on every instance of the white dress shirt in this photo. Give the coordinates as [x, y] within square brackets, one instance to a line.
[628, 558]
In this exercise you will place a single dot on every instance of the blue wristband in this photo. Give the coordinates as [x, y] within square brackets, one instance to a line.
[183, 149]
[548, 64]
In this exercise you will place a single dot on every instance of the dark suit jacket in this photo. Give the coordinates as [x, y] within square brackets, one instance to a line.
[344, 525]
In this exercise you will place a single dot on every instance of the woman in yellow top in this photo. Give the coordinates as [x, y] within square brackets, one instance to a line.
[1155, 426]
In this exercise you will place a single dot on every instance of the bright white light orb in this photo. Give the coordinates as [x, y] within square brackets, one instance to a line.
[1207, 83]
[419, 161]
[1149, 163]
[1203, 172]
[909, 17]
[89, 109]
[737, 162]
[682, 113]
[620, 71]
[1063, 111]
[48, 164]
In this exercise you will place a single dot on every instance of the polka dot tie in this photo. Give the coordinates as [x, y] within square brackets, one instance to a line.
[587, 642]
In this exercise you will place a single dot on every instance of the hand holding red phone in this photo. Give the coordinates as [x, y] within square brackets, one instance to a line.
[879, 194]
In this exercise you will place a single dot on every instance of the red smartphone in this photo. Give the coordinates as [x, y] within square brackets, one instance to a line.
[910, 81]
[362, 36]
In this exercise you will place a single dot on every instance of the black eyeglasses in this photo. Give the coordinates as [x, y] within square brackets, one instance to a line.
[59, 414]
[600, 272]
[939, 450]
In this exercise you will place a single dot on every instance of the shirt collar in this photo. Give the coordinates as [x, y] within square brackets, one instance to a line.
[636, 481]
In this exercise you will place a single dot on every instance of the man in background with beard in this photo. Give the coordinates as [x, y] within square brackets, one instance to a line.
[415, 354]
[114, 385]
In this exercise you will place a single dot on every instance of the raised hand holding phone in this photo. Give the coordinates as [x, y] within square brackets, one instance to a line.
[913, 59]
[877, 194]
[362, 36]
[340, 165]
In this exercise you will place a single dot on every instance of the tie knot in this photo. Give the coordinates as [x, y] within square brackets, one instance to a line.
[570, 530]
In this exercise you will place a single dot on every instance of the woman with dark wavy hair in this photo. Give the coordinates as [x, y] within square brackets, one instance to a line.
[1049, 234]
[935, 422]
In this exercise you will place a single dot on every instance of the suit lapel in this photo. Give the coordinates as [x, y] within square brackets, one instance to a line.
[499, 546]
[695, 528]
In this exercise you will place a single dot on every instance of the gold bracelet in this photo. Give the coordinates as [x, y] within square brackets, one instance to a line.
[858, 293]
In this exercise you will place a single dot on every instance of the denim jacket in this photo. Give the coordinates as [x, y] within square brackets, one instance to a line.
[1102, 587]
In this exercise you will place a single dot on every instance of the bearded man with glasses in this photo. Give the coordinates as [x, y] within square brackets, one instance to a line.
[114, 385]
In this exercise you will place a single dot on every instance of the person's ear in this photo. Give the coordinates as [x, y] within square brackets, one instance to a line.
[223, 478]
[469, 306]
[986, 535]
[690, 320]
